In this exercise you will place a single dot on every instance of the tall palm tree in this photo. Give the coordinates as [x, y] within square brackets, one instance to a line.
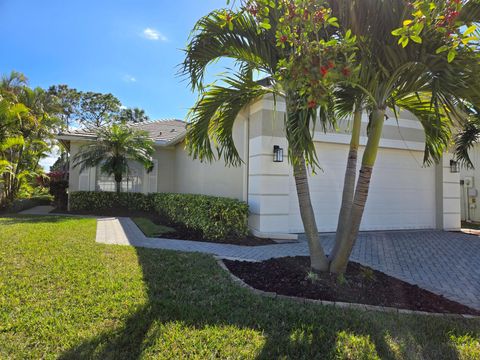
[212, 117]
[114, 147]
[414, 78]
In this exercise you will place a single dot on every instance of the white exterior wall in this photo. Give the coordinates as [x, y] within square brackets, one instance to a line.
[268, 188]
[448, 196]
[216, 179]
[85, 181]
[470, 196]
[429, 196]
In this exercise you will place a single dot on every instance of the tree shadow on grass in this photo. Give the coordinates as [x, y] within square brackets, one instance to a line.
[190, 294]
[18, 219]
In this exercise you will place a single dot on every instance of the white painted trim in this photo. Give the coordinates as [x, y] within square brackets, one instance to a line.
[279, 106]
[93, 179]
[246, 156]
[275, 236]
[402, 123]
[384, 143]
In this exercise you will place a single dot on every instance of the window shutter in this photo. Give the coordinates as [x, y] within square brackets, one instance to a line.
[84, 180]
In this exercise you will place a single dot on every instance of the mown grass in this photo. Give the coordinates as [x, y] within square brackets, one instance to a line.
[64, 296]
[150, 229]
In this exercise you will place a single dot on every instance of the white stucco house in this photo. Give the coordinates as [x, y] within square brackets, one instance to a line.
[404, 194]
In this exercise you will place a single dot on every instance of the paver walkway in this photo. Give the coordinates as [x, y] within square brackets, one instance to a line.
[443, 262]
[38, 210]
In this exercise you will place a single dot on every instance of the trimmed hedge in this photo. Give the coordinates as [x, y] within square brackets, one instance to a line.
[215, 217]
[98, 201]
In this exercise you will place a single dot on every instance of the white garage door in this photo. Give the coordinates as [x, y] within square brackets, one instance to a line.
[402, 192]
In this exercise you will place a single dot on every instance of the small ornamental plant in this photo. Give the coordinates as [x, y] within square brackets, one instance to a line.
[316, 53]
[444, 18]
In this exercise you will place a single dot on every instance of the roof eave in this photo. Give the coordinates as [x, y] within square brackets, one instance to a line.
[78, 137]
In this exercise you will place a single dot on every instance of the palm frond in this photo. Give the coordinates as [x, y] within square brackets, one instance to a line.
[467, 137]
[213, 116]
[211, 40]
[435, 122]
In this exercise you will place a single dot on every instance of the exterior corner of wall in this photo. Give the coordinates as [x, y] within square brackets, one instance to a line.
[448, 195]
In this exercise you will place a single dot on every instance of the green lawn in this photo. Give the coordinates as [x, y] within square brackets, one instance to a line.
[150, 229]
[62, 295]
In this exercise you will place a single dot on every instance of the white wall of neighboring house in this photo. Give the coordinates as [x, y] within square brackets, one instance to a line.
[404, 193]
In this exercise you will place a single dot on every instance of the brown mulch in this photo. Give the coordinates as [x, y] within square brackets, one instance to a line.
[291, 276]
[181, 232]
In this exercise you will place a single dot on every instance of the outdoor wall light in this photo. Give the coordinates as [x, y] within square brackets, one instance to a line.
[454, 167]
[277, 154]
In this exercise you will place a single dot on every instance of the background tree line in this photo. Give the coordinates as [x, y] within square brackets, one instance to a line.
[30, 118]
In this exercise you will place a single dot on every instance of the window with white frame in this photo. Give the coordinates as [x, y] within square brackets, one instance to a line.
[132, 182]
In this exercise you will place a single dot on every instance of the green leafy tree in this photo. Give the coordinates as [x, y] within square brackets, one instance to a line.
[97, 110]
[27, 133]
[61, 164]
[68, 104]
[133, 116]
[114, 147]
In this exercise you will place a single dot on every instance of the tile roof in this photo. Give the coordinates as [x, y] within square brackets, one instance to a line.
[159, 130]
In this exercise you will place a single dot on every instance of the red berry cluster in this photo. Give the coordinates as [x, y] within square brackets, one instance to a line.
[252, 9]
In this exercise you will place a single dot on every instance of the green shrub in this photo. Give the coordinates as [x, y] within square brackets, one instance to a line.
[98, 201]
[215, 217]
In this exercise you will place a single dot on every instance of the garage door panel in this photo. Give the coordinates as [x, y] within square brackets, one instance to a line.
[402, 192]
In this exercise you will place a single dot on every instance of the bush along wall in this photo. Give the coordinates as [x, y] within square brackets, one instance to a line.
[98, 201]
[215, 217]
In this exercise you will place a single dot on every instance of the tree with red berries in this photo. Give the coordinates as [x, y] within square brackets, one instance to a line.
[327, 59]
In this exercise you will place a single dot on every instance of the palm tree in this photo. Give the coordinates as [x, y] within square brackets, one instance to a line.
[468, 136]
[26, 132]
[212, 117]
[414, 78]
[114, 147]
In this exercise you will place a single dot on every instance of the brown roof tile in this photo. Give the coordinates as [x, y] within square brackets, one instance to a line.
[159, 130]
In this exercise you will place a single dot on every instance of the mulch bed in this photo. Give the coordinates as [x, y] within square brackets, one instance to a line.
[181, 232]
[290, 276]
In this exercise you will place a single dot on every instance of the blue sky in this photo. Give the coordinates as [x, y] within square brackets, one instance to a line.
[129, 48]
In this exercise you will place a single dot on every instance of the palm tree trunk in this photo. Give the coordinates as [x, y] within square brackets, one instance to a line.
[340, 261]
[349, 184]
[118, 182]
[318, 260]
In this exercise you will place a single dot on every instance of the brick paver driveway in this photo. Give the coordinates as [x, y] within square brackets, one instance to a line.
[443, 262]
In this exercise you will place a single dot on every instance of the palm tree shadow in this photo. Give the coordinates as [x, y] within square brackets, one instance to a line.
[206, 299]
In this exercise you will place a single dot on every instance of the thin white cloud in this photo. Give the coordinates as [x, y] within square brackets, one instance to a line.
[129, 78]
[153, 34]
